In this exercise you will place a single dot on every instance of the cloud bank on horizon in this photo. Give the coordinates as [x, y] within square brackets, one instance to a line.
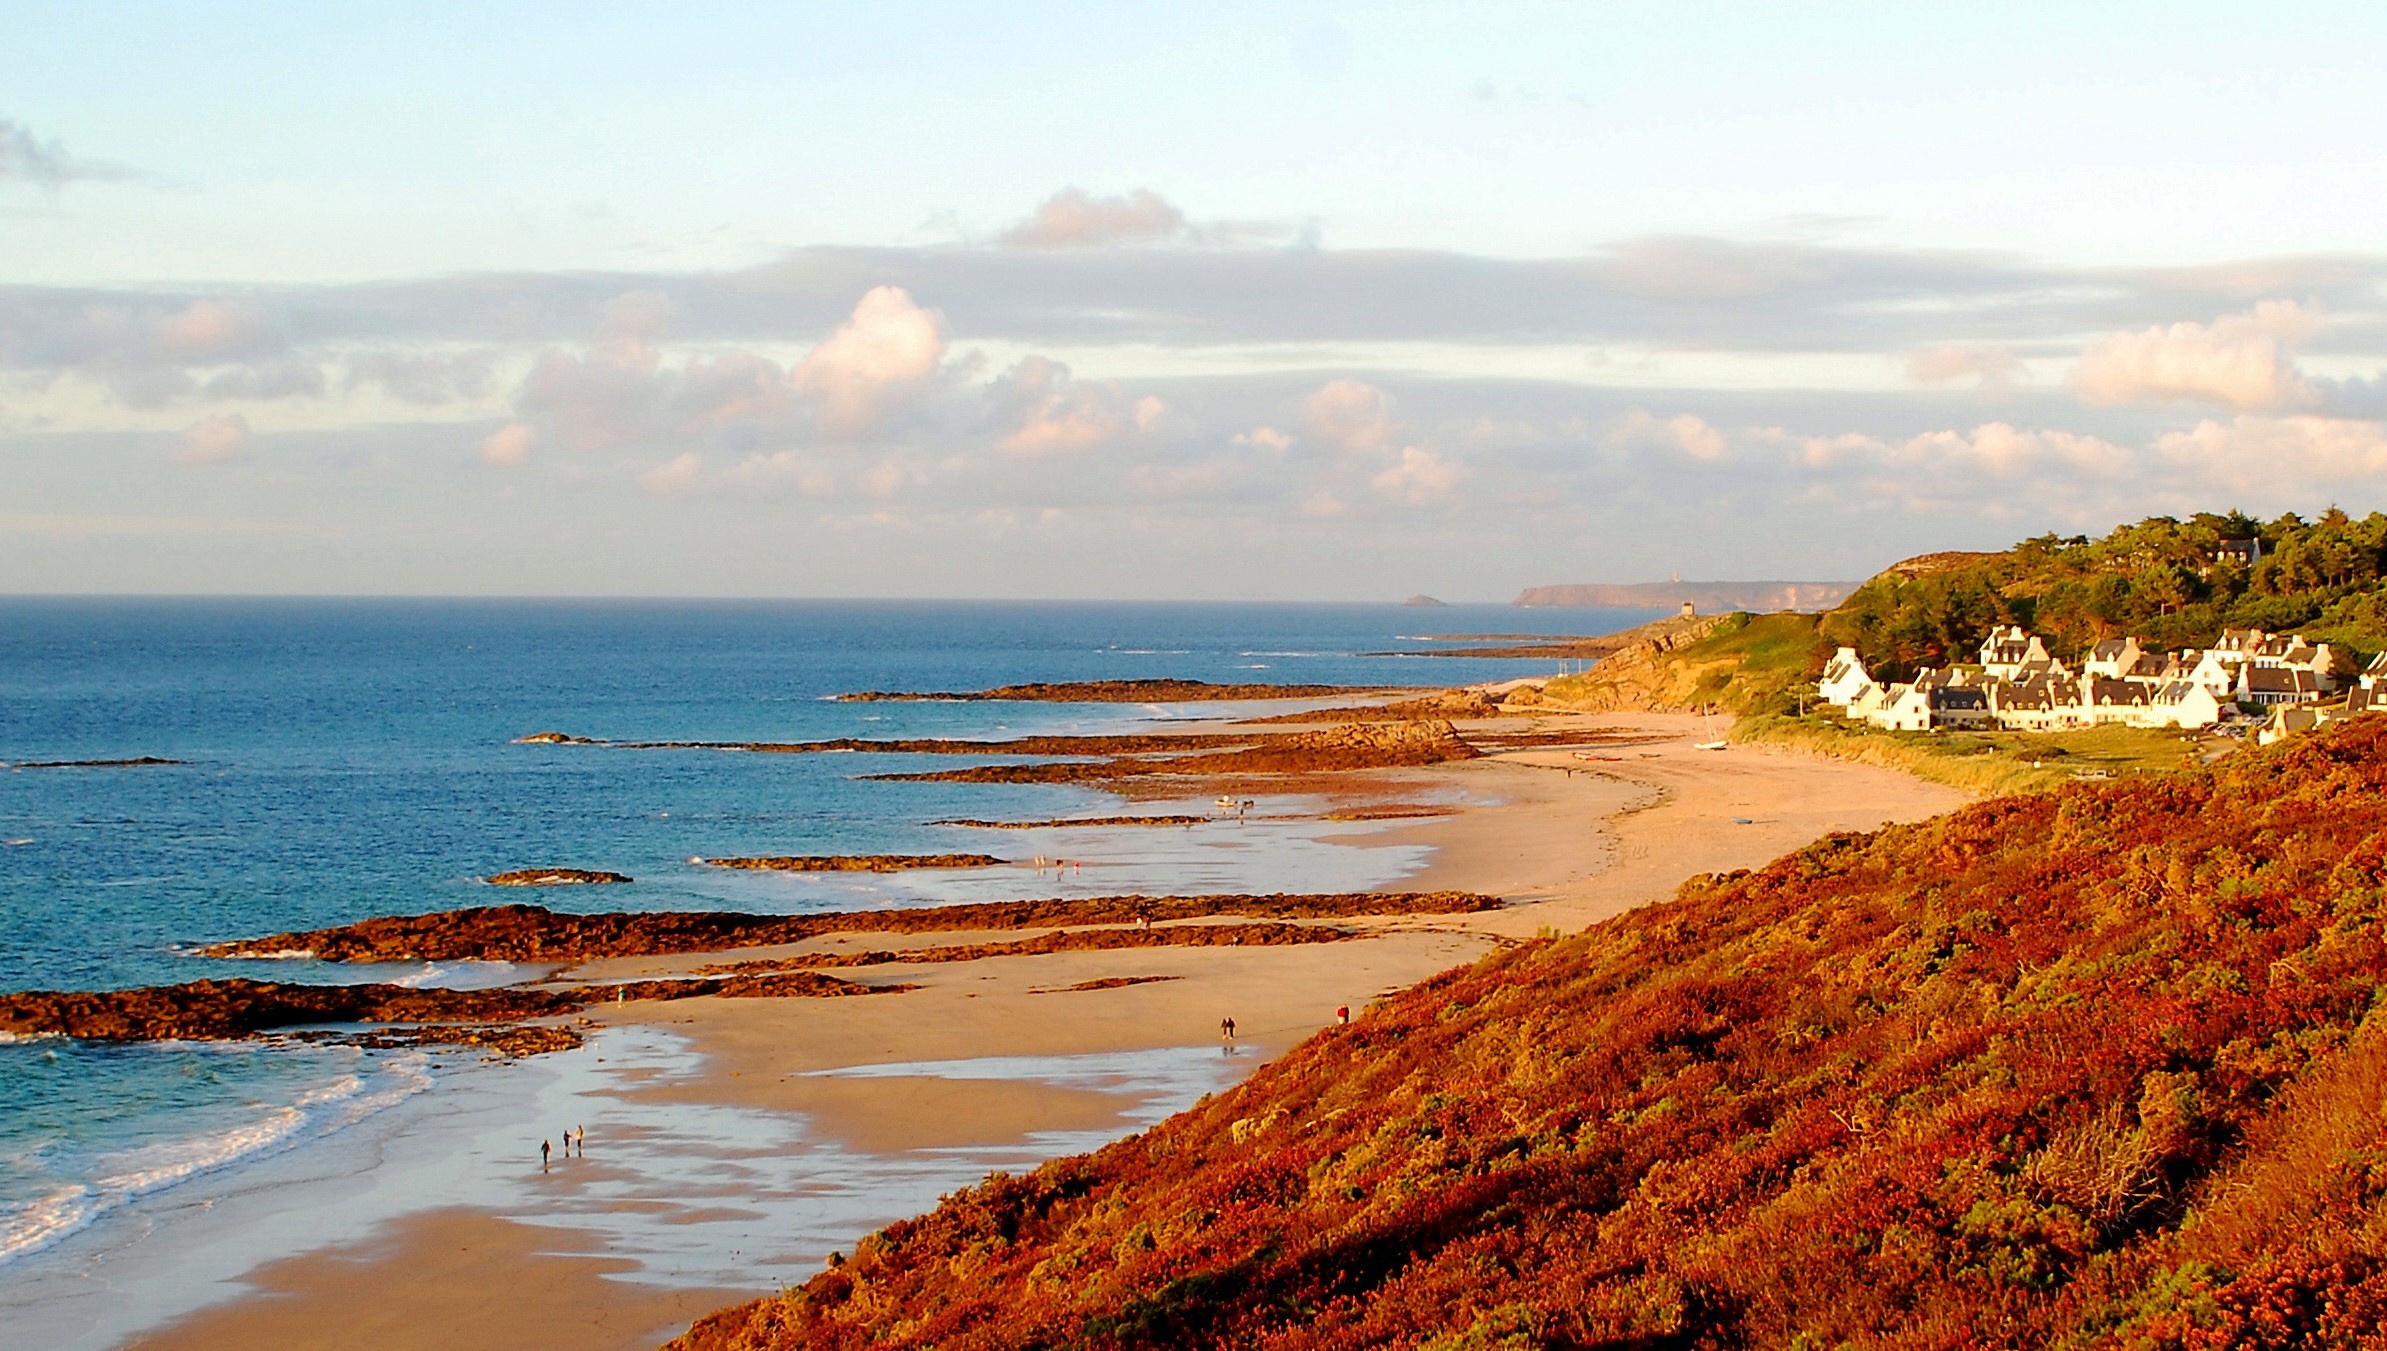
[1113, 393]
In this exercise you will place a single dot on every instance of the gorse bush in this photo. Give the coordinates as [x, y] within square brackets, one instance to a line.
[2099, 1067]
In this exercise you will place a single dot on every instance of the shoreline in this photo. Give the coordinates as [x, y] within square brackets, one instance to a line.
[1567, 840]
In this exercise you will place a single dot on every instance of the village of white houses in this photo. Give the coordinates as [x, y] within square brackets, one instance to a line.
[2018, 685]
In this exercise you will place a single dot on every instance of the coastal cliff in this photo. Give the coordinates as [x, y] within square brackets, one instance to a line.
[2096, 1068]
[1758, 597]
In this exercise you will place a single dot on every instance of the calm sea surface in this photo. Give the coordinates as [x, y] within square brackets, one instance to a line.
[343, 759]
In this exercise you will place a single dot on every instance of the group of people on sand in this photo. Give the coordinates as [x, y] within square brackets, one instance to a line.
[1058, 865]
[574, 1139]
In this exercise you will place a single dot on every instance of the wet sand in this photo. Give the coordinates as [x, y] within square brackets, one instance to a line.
[445, 1280]
[1571, 840]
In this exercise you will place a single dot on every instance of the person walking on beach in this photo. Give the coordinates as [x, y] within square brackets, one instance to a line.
[543, 1147]
[1226, 1030]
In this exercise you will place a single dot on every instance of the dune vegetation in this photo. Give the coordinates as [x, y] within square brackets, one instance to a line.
[2096, 1067]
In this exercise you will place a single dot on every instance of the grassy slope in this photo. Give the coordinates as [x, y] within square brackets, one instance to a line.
[2091, 1068]
[1982, 762]
[1748, 663]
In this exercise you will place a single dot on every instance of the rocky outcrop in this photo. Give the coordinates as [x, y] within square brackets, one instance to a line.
[219, 1009]
[1067, 940]
[1644, 677]
[530, 933]
[855, 863]
[1126, 744]
[222, 1010]
[556, 877]
[1119, 692]
[1446, 705]
[1067, 821]
[137, 762]
[1358, 746]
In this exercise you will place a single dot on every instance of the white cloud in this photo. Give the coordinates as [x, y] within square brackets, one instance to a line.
[1055, 415]
[508, 445]
[2279, 456]
[1350, 415]
[2243, 361]
[887, 351]
[1992, 367]
[1420, 476]
[1266, 438]
[674, 476]
[1075, 219]
[215, 440]
[1684, 433]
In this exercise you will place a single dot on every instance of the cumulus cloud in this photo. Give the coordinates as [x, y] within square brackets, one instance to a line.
[2244, 361]
[2270, 455]
[215, 440]
[1076, 219]
[1349, 415]
[885, 352]
[1266, 438]
[1419, 476]
[1686, 434]
[1991, 367]
[1051, 414]
[508, 445]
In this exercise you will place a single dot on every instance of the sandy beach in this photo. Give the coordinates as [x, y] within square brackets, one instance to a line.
[1567, 837]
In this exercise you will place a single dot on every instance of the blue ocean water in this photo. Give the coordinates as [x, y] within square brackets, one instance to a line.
[342, 759]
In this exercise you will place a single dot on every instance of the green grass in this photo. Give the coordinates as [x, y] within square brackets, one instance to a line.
[1981, 762]
[1759, 662]
[1748, 664]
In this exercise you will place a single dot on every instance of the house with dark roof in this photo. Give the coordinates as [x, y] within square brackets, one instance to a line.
[2272, 686]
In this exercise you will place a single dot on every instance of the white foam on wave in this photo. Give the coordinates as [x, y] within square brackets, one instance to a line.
[125, 1176]
[466, 974]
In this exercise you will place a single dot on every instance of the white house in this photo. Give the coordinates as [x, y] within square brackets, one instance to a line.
[2272, 686]
[2184, 704]
[2120, 657]
[1845, 679]
[2008, 649]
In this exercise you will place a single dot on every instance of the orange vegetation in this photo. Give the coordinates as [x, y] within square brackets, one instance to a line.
[2097, 1068]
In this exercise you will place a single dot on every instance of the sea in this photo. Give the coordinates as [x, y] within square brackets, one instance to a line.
[339, 759]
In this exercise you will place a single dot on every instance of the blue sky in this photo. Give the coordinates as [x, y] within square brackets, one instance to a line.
[1272, 301]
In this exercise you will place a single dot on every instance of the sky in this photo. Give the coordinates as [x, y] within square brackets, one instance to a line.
[1278, 302]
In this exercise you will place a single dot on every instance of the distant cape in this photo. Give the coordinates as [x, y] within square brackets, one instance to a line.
[1762, 597]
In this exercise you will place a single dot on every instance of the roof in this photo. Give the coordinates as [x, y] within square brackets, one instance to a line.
[2281, 680]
